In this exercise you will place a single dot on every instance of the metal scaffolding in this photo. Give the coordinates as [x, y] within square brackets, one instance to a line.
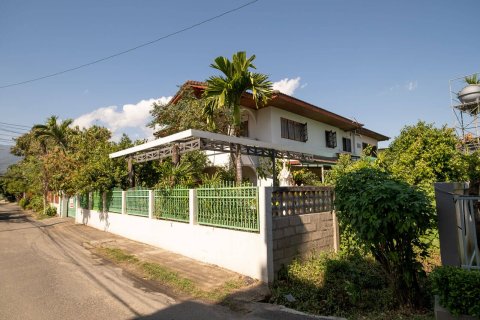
[466, 116]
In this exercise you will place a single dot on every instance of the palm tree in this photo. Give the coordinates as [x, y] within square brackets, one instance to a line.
[55, 134]
[53, 131]
[225, 91]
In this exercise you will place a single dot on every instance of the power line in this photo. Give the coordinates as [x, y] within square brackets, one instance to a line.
[15, 125]
[8, 135]
[12, 131]
[131, 49]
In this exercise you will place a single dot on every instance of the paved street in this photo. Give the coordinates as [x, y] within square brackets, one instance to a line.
[45, 274]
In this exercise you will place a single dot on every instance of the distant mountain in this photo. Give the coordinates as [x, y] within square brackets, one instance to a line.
[6, 158]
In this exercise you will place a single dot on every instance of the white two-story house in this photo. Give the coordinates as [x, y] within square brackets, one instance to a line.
[286, 127]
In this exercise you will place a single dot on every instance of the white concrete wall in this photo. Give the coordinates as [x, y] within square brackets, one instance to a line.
[239, 251]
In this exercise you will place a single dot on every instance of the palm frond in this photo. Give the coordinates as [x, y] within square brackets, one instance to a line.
[473, 79]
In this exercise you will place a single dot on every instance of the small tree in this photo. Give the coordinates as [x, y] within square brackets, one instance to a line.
[225, 92]
[186, 113]
[388, 218]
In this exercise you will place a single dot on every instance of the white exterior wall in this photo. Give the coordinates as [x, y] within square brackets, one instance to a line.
[265, 125]
[219, 159]
[243, 252]
[316, 143]
[363, 139]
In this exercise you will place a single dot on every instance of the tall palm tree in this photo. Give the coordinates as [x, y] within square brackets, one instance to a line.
[55, 134]
[225, 91]
[53, 131]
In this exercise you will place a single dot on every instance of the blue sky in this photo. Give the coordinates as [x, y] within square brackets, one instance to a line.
[385, 63]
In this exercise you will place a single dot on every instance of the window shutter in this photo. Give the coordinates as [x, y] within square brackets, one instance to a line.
[284, 128]
[331, 139]
[304, 132]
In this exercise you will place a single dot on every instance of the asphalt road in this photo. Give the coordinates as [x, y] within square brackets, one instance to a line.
[47, 274]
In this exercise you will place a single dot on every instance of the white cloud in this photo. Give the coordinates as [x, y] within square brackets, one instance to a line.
[130, 116]
[287, 86]
[411, 85]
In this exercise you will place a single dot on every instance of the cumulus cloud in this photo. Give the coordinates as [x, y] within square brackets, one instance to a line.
[287, 86]
[130, 116]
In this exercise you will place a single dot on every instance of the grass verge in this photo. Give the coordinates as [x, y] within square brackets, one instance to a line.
[169, 278]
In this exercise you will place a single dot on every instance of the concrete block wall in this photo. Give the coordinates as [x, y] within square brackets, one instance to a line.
[301, 235]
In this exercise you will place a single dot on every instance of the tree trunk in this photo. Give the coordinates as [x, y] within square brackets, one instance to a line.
[131, 177]
[175, 154]
[238, 164]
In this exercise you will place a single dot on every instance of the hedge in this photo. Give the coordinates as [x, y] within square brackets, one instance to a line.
[458, 289]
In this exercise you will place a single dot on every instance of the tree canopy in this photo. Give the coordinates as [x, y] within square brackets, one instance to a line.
[423, 154]
[186, 113]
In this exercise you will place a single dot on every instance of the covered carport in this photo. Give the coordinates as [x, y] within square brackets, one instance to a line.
[190, 140]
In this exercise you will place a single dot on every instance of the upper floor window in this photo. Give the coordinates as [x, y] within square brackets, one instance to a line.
[347, 144]
[331, 139]
[294, 130]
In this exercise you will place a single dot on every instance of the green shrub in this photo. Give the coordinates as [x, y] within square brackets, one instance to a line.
[305, 177]
[341, 285]
[36, 204]
[51, 211]
[458, 289]
[389, 218]
[23, 202]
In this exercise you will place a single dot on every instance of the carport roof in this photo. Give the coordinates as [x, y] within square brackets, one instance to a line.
[191, 139]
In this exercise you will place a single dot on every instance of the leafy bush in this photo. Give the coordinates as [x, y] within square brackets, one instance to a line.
[51, 211]
[36, 204]
[458, 289]
[388, 218]
[305, 177]
[23, 202]
[341, 285]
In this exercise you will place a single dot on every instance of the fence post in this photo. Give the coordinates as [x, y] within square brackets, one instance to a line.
[151, 203]
[124, 202]
[192, 205]
[266, 232]
[336, 232]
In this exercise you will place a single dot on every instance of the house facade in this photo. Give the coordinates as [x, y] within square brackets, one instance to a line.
[293, 124]
[285, 128]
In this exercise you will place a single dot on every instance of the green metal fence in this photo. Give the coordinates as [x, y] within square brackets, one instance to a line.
[114, 200]
[83, 202]
[97, 201]
[172, 204]
[137, 202]
[232, 207]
